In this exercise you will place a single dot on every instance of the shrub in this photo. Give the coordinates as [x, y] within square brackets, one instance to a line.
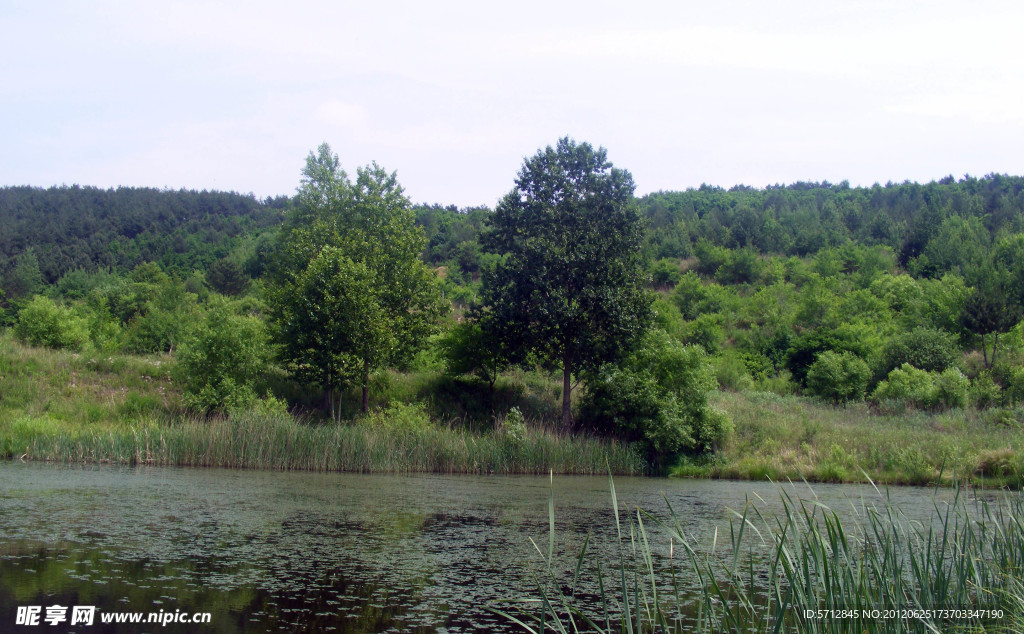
[907, 384]
[705, 331]
[951, 387]
[665, 273]
[924, 390]
[42, 322]
[838, 377]
[399, 417]
[514, 426]
[984, 392]
[658, 395]
[732, 373]
[924, 348]
[221, 360]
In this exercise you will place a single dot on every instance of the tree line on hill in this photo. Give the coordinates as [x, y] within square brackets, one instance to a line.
[906, 295]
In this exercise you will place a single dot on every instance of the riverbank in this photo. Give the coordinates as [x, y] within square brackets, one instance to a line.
[791, 437]
[124, 409]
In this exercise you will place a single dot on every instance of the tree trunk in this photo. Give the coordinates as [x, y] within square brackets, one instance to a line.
[566, 392]
[366, 385]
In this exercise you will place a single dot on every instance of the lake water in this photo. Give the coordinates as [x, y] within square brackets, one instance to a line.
[269, 551]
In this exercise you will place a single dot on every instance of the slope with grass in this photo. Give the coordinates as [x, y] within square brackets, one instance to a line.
[124, 409]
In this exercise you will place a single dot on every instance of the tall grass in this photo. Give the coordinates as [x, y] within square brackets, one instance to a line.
[780, 437]
[804, 569]
[279, 441]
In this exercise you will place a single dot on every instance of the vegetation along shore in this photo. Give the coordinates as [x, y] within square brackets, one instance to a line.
[813, 330]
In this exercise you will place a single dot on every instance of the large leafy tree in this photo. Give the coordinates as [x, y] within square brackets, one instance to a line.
[570, 287]
[349, 291]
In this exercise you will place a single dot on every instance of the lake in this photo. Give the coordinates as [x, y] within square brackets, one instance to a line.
[330, 552]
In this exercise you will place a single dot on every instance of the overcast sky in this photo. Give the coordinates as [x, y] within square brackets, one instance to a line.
[454, 95]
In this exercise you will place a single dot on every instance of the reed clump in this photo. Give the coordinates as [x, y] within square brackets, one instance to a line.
[282, 442]
[804, 569]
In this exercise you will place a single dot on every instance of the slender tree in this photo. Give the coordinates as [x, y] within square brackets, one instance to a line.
[570, 287]
[350, 293]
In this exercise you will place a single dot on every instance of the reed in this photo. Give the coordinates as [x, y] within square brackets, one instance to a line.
[282, 442]
[804, 569]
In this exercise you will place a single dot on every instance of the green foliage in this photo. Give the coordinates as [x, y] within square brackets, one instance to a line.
[658, 395]
[399, 417]
[988, 311]
[24, 279]
[570, 288]
[226, 277]
[984, 391]
[741, 266]
[732, 373]
[951, 389]
[514, 426]
[221, 360]
[468, 349]
[95, 229]
[43, 322]
[705, 331]
[924, 348]
[665, 273]
[695, 298]
[806, 348]
[923, 389]
[838, 377]
[350, 293]
[710, 257]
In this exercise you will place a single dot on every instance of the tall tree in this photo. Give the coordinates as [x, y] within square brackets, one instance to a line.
[570, 285]
[988, 311]
[350, 293]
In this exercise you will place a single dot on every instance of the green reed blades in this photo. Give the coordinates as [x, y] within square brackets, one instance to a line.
[807, 569]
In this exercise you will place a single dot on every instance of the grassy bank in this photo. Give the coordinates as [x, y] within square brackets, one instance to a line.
[62, 406]
[279, 441]
[803, 569]
[792, 437]
[65, 407]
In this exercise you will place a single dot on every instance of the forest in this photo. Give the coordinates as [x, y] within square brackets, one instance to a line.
[742, 332]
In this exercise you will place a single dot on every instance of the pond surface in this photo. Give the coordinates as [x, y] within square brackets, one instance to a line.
[270, 551]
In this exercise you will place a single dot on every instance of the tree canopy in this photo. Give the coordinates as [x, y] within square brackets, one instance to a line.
[570, 287]
[351, 293]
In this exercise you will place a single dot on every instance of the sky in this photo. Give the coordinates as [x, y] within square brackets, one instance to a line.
[455, 95]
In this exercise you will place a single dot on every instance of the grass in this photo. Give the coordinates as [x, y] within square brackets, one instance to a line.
[57, 405]
[782, 437]
[122, 409]
[777, 572]
[281, 442]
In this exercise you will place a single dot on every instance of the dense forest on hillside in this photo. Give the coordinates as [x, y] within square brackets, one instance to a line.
[68, 228]
[905, 297]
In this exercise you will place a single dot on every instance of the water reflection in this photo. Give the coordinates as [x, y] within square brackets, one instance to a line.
[266, 551]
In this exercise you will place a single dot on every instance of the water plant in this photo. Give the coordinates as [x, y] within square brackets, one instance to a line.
[804, 569]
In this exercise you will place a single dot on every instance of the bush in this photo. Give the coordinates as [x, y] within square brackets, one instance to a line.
[951, 388]
[732, 373]
[924, 390]
[706, 331]
[399, 417]
[221, 360]
[658, 395]
[42, 322]
[907, 384]
[924, 348]
[985, 392]
[838, 377]
[514, 426]
[665, 273]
